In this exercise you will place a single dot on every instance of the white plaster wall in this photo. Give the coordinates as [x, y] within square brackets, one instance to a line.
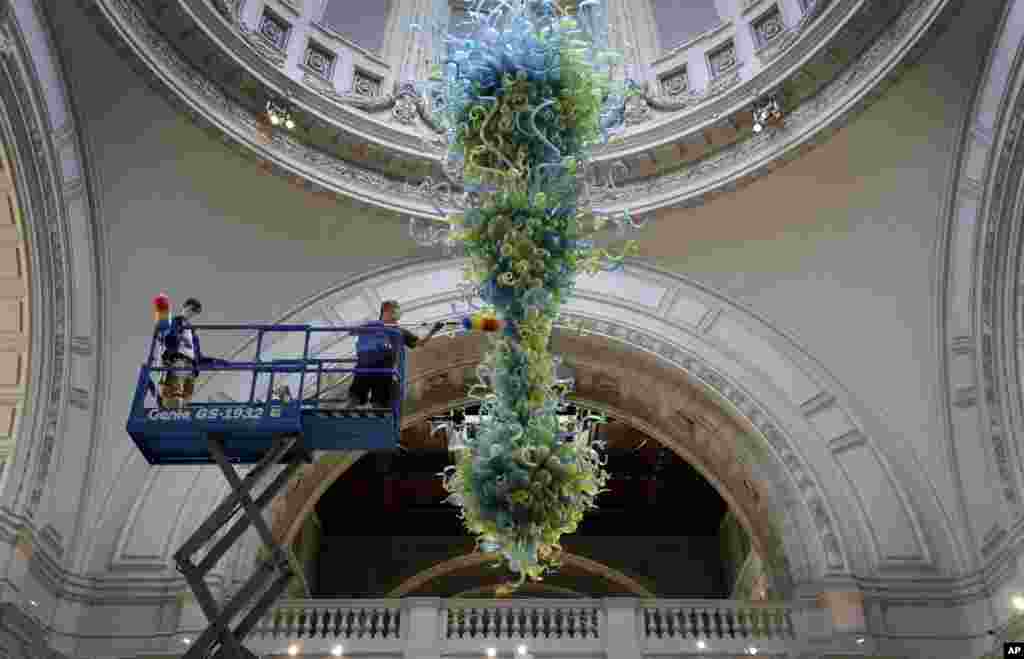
[838, 250]
[184, 214]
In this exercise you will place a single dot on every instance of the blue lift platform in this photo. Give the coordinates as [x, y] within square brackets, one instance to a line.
[264, 429]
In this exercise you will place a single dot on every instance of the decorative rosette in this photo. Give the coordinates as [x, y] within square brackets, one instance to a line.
[523, 94]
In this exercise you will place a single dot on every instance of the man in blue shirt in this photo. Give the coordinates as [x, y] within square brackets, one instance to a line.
[377, 351]
[181, 350]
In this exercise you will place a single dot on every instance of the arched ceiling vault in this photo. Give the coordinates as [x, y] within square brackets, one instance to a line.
[850, 87]
[675, 337]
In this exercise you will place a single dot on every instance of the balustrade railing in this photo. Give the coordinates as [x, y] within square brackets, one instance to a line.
[516, 620]
[325, 619]
[717, 620]
[581, 628]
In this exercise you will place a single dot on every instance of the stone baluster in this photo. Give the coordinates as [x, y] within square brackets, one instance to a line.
[690, 622]
[314, 624]
[514, 630]
[681, 622]
[487, 623]
[730, 622]
[708, 620]
[670, 623]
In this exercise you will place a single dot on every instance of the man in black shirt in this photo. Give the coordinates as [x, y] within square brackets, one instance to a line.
[377, 351]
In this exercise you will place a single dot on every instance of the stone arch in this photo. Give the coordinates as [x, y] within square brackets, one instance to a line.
[471, 560]
[697, 432]
[50, 172]
[980, 283]
[813, 459]
[15, 315]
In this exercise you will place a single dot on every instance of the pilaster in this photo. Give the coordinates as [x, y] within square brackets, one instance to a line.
[621, 632]
[422, 627]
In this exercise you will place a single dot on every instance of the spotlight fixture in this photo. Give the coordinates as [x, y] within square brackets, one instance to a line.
[860, 641]
[766, 112]
[336, 651]
[279, 114]
[1018, 602]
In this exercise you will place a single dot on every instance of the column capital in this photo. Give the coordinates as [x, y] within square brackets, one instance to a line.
[421, 603]
[620, 602]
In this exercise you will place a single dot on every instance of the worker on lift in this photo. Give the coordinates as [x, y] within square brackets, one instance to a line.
[376, 351]
[180, 344]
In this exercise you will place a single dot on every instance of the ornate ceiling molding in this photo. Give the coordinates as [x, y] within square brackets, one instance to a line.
[813, 121]
[50, 176]
[979, 316]
[475, 559]
[818, 29]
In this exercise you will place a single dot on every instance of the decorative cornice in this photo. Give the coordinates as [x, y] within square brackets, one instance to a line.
[742, 162]
[997, 287]
[811, 123]
[39, 180]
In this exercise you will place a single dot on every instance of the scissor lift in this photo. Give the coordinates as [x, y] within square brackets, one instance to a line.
[272, 431]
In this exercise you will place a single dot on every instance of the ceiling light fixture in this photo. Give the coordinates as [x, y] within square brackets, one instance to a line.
[701, 645]
[293, 650]
[1018, 602]
[279, 114]
[767, 111]
[521, 650]
[336, 650]
[860, 641]
[492, 652]
[752, 650]
[186, 640]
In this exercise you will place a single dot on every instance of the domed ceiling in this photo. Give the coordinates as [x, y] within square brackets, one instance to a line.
[359, 130]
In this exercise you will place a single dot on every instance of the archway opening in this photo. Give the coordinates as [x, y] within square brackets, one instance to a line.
[661, 523]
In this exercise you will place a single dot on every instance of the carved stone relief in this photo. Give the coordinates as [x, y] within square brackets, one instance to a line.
[768, 27]
[679, 181]
[273, 30]
[365, 85]
[637, 109]
[676, 83]
[723, 60]
[320, 61]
